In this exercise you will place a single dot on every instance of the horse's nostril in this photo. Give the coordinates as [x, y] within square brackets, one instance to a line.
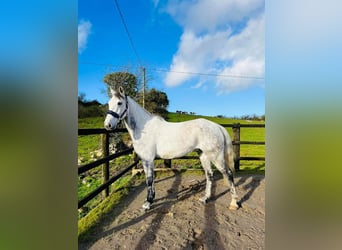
[108, 126]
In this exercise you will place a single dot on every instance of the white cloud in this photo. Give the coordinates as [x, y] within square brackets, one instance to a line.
[84, 30]
[207, 15]
[247, 53]
[219, 37]
[245, 67]
[195, 54]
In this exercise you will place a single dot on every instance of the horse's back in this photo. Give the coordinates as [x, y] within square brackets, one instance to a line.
[179, 138]
[212, 137]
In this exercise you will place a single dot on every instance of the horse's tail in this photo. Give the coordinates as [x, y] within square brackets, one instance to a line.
[228, 148]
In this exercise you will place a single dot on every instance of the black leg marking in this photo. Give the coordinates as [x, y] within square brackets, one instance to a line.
[230, 175]
[150, 189]
[149, 172]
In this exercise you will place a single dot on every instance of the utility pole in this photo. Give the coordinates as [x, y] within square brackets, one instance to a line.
[144, 85]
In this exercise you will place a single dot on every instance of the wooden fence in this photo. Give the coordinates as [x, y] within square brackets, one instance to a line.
[107, 180]
[236, 142]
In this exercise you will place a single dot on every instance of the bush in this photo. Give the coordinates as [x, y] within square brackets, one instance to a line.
[90, 109]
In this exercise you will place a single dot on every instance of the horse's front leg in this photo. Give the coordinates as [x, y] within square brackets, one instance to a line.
[149, 173]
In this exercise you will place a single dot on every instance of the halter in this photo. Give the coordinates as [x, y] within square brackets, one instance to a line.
[116, 115]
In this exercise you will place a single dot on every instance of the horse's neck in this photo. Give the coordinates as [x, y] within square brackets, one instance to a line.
[137, 117]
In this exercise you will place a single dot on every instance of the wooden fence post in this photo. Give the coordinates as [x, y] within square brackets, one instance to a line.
[236, 145]
[105, 166]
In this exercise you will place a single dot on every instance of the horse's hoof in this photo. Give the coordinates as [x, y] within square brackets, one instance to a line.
[146, 206]
[234, 206]
[203, 200]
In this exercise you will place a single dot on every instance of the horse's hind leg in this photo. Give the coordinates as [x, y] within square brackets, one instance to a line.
[228, 178]
[233, 204]
[149, 173]
[209, 177]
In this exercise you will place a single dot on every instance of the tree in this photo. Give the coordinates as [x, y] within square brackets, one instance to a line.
[125, 79]
[81, 97]
[156, 102]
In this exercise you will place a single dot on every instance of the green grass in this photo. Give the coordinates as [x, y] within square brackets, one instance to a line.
[174, 117]
[93, 179]
[89, 143]
[91, 122]
[86, 145]
[88, 223]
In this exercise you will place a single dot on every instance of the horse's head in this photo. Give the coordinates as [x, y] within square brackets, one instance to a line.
[117, 108]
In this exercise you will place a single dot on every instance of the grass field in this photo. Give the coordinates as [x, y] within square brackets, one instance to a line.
[88, 144]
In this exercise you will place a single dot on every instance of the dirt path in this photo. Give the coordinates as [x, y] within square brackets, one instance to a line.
[177, 220]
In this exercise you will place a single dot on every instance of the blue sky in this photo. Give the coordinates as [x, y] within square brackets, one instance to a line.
[223, 41]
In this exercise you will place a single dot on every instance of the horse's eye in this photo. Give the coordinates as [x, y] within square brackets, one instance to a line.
[119, 103]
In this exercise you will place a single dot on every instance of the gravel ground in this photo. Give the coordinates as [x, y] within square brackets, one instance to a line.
[177, 220]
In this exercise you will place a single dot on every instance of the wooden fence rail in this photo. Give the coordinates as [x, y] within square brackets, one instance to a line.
[106, 159]
[236, 142]
[106, 185]
[107, 180]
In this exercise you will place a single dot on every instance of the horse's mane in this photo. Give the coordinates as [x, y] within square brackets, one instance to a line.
[137, 105]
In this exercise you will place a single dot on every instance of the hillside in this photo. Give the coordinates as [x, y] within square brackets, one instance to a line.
[97, 122]
[175, 117]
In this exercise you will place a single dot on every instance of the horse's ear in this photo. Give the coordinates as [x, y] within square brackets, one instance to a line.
[121, 91]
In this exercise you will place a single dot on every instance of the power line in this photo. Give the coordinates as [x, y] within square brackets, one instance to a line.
[183, 72]
[209, 74]
[128, 34]
[165, 70]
